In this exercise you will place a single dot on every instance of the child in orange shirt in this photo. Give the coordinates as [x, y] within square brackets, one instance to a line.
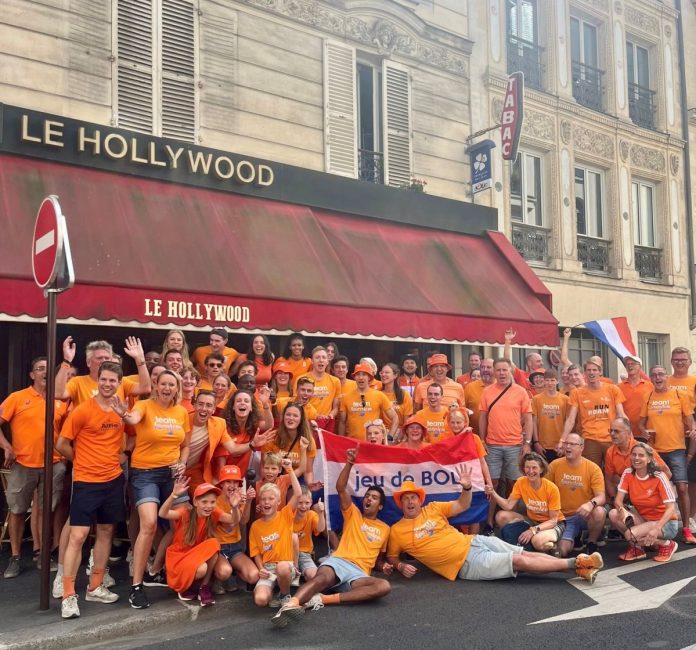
[194, 555]
[270, 541]
[271, 472]
[308, 522]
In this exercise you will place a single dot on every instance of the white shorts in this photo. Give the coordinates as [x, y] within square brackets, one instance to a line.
[272, 578]
[305, 562]
[489, 558]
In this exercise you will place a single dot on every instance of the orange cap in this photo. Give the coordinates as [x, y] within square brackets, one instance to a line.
[282, 366]
[230, 473]
[409, 486]
[438, 359]
[363, 367]
[205, 488]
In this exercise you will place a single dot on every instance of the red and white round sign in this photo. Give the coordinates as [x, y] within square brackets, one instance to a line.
[47, 244]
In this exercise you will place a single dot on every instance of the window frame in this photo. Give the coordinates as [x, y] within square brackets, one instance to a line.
[638, 223]
[602, 201]
[660, 341]
[522, 160]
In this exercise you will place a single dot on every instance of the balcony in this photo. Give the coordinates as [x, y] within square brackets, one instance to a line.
[371, 166]
[594, 254]
[641, 105]
[525, 56]
[648, 262]
[531, 242]
[587, 85]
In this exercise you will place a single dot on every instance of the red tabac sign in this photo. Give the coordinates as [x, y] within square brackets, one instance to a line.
[513, 114]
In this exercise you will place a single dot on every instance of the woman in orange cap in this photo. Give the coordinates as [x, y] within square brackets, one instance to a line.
[194, 556]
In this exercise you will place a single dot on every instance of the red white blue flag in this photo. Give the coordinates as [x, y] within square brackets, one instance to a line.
[435, 468]
[615, 334]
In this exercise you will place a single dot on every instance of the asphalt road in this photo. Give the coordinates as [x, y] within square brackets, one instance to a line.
[430, 612]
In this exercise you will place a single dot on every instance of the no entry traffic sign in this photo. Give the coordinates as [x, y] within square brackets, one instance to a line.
[50, 252]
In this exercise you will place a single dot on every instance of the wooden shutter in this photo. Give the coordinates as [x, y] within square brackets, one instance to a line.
[397, 124]
[340, 123]
[178, 70]
[135, 68]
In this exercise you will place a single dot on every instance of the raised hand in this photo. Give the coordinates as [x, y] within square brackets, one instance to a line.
[181, 486]
[69, 349]
[134, 348]
[351, 455]
[465, 477]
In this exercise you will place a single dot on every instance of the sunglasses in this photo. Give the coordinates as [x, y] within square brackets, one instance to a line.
[362, 401]
[215, 365]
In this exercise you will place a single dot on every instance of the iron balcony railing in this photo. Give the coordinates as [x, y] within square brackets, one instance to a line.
[525, 56]
[587, 85]
[594, 254]
[531, 242]
[641, 105]
[648, 262]
[371, 166]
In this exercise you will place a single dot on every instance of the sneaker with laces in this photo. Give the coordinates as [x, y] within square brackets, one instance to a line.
[230, 585]
[314, 603]
[69, 607]
[688, 536]
[275, 602]
[13, 568]
[632, 553]
[57, 588]
[108, 580]
[205, 596]
[101, 595]
[587, 574]
[190, 594]
[90, 563]
[155, 579]
[665, 552]
[289, 612]
[593, 561]
[138, 598]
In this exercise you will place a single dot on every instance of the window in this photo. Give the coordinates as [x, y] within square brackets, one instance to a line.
[587, 77]
[156, 67]
[641, 100]
[525, 190]
[651, 349]
[521, 17]
[582, 345]
[588, 202]
[643, 204]
[367, 114]
[523, 51]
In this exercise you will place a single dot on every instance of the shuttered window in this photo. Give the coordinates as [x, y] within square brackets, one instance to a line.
[397, 125]
[156, 67]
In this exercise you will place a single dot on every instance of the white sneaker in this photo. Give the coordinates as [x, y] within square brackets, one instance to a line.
[288, 613]
[57, 589]
[69, 607]
[101, 595]
[314, 603]
[90, 563]
[692, 523]
[275, 602]
[108, 581]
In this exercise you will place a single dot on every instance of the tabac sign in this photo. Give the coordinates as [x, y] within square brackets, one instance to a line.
[512, 116]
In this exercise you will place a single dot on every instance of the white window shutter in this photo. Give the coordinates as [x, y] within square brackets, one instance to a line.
[397, 124]
[340, 123]
[135, 68]
[178, 70]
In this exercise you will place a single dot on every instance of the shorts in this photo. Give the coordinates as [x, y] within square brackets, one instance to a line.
[151, 485]
[670, 529]
[231, 551]
[511, 532]
[346, 573]
[305, 562]
[23, 481]
[503, 461]
[676, 461]
[574, 526]
[100, 503]
[489, 558]
[271, 580]
[691, 470]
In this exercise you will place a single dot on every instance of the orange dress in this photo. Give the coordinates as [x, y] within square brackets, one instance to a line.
[181, 560]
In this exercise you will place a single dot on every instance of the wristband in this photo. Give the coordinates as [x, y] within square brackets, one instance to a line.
[139, 365]
[466, 489]
[251, 445]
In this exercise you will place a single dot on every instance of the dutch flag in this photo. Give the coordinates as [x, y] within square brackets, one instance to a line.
[615, 334]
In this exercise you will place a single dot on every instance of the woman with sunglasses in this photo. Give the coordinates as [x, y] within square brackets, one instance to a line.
[651, 523]
[400, 399]
[260, 353]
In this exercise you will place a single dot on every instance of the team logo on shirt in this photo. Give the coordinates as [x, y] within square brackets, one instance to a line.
[551, 411]
[427, 529]
[372, 533]
[268, 540]
[572, 481]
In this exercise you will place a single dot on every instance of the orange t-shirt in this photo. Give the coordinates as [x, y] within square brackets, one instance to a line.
[25, 411]
[348, 386]
[504, 426]
[550, 414]
[304, 530]
[272, 538]
[464, 379]
[283, 483]
[293, 454]
[648, 495]
[538, 502]
[326, 390]
[159, 435]
[82, 388]
[98, 439]
[362, 407]
[403, 410]
[635, 398]
[472, 398]
[223, 533]
[309, 410]
[297, 367]
[435, 422]
[665, 414]
[362, 540]
[685, 385]
[431, 540]
[596, 409]
[451, 392]
[264, 372]
[200, 353]
[616, 462]
[577, 485]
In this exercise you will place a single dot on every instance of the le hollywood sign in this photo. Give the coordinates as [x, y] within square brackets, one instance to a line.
[196, 311]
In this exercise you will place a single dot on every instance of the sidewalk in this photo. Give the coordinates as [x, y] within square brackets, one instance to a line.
[22, 625]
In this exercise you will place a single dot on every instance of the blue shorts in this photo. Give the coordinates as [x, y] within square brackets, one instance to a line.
[230, 551]
[676, 461]
[100, 503]
[574, 526]
[346, 572]
[670, 529]
[504, 461]
[151, 485]
[489, 558]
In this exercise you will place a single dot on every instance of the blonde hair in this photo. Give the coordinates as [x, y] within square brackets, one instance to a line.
[270, 487]
[97, 345]
[179, 388]
[184, 347]
[271, 458]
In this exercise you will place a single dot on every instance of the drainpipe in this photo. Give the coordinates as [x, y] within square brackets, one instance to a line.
[687, 165]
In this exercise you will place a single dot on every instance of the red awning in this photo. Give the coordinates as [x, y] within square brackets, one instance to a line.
[156, 253]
